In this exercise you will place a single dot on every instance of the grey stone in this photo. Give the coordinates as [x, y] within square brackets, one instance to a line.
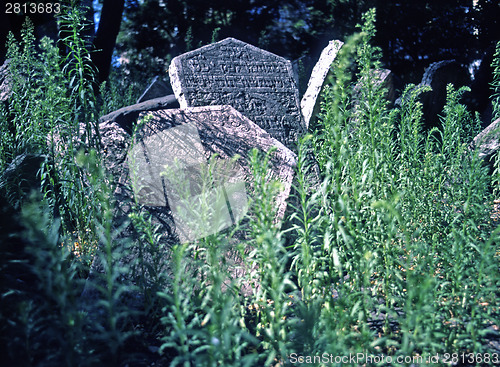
[310, 102]
[432, 69]
[126, 116]
[5, 87]
[221, 131]
[156, 89]
[488, 140]
[22, 175]
[302, 68]
[380, 78]
[178, 143]
[438, 75]
[386, 79]
[257, 83]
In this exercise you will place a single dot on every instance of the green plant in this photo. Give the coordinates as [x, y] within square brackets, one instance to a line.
[48, 325]
[390, 253]
[270, 257]
[203, 314]
[113, 283]
[80, 74]
[495, 85]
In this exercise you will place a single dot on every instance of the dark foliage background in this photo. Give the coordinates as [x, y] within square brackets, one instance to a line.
[412, 34]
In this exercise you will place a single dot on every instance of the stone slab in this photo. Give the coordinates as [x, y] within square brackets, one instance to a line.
[173, 150]
[127, 116]
[156, 89]
[438, 75]
[488, 141]
[5, 84]
[380, 78]
[310, 102]
[257, 83]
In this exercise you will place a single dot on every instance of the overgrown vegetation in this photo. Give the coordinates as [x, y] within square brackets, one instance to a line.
[391, 254]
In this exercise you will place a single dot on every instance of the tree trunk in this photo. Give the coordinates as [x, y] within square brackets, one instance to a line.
[105, 38]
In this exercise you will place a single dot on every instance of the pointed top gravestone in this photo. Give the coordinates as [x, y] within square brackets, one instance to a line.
[257, 83]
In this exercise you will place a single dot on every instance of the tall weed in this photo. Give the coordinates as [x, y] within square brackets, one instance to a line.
[392, 254]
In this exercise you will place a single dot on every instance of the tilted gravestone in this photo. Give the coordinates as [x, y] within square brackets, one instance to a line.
[5, 82]
[438, 76]
[126, 116]
[176, 143]
[311, 100]
[379, 79]
[175, 148]
[487, 142]
[257, 83]
[156, 89]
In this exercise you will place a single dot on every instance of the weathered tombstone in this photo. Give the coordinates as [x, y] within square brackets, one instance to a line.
[488, 140]
[179, 142]
[386, 79]
[310, 102]
[156, 89]
[438, 75]
[127, 116]
[5, 85]
[168, 168]
[379, 78]
[257, 83]
[22, 175]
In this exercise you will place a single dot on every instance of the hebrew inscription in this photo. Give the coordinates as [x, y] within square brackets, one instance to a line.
[255, 82]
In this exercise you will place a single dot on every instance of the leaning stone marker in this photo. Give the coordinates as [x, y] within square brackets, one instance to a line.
[310, 101]
[257, 83]
[156, 89]
[127, 116]
[379, 79]
[488, 141]
[176, 150]
[438, 76]
[5, 83]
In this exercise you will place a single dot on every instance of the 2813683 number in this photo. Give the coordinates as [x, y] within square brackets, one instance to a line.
[490, 359]
[32, 8]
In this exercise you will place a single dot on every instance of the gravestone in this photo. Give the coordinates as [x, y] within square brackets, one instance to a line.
[438, 75]
[310, 102]
[176, 147]
[257, 83]
[5, 84]
[156, 89]
[127, 116]
[385, 79]
[487, 142]
[379, 79]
